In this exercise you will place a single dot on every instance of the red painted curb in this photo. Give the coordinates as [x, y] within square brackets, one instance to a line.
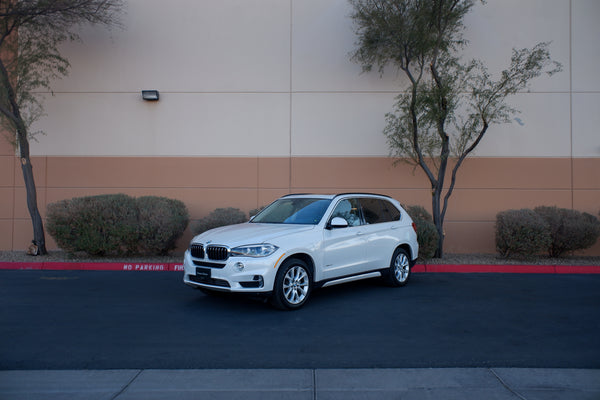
[508, 269]
[91, 266]
[419, 268]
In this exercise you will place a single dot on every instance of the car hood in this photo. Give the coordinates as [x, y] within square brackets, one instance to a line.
[249, 233]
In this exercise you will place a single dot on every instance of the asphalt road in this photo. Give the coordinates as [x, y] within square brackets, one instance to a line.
[150, 320]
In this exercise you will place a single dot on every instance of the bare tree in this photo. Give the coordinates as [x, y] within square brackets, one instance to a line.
[448, 105]
[30, 34]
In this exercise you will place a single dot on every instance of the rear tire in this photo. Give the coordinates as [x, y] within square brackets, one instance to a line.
[400, 267]
[293, 285]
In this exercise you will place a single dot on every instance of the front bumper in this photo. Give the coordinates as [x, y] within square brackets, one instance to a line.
[257, 275]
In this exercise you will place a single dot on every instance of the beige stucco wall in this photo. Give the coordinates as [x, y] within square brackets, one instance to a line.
[269, 77]
[258, 98]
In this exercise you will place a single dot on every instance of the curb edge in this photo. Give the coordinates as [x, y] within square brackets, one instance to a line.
[418, 268]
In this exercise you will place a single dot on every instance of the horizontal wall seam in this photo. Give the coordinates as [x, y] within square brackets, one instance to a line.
[295, 156]
[294, 92]
[520, 189]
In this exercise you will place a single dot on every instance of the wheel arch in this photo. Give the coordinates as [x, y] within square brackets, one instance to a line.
[304, 257]
[406, 247]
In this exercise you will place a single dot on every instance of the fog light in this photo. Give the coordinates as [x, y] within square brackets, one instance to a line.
[239, 266]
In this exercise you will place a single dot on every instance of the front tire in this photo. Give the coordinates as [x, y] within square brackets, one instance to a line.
[293, 285]
[400, 267]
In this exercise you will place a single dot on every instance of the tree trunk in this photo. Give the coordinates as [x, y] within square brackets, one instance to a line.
[438, 221]
[39, 238]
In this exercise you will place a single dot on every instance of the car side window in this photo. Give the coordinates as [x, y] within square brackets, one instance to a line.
[348, 209]
[371, 210]
[377, 211]
[390, 212]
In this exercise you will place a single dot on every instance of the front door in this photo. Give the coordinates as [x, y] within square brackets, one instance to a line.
[344, 248]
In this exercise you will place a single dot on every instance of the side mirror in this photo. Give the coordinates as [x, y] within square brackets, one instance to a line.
[338, 222]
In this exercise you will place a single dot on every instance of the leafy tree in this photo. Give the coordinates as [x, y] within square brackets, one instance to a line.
[30, 34]
[449, 104]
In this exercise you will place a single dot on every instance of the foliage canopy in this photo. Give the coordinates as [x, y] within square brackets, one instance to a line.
[448, 104]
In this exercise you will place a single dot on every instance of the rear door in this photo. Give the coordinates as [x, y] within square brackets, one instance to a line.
[381, 231]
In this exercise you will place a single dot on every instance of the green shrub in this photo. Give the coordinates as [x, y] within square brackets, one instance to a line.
[117, 224]
[219, 217]
[427, 234]
[162, 222]
[419, 212]
[521, 233]
[97, 225]
[570, 230]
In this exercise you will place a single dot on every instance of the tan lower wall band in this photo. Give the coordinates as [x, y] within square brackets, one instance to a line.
[484, 187]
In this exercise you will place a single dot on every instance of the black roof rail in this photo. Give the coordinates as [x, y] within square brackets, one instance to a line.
[302, 194]
[360, 193]
[338, 194]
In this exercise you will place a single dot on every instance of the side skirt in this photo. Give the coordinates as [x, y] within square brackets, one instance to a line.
[352, 278]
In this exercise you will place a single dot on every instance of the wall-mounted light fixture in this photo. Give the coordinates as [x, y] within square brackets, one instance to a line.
[150, 95]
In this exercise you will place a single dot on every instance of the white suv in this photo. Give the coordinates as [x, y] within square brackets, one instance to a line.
[301, 242]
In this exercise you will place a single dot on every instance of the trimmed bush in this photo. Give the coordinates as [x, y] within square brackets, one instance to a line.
[162, 222]
[419, 212]
[570, 230]
[117, 224]
[427, 234]
[97, 225]
[219, 217]
[521, 233]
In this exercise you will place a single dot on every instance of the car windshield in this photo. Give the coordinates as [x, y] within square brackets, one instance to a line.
[294, 211]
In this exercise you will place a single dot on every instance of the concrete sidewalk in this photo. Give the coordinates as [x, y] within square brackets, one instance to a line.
[319, 384]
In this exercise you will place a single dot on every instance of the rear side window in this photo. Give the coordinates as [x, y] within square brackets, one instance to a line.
[376, 211]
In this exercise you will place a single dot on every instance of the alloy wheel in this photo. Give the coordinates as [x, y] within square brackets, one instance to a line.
[295, 285]
[401, 267]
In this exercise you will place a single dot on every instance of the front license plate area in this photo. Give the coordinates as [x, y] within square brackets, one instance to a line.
[203, 273]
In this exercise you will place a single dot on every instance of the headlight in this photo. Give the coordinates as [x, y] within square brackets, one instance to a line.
[254, 250]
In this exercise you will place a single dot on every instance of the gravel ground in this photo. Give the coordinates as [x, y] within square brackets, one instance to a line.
[458, 259]
[495, 259]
